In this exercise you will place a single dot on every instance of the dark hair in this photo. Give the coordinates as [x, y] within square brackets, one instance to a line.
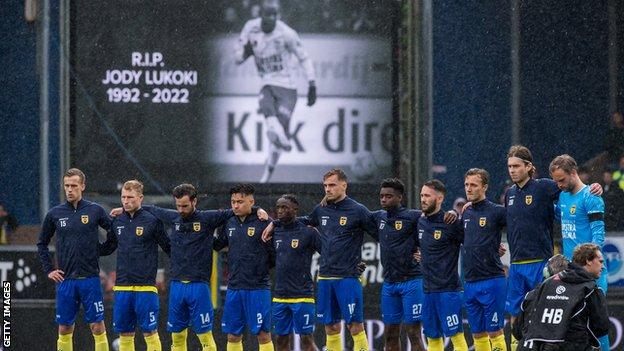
[290, 197]
[75, 172]
[555, 264]
[337, 172]
[585, 252]
[394, 183]
[485, 176]
[563, 162]
[436, 185]
[523, 153]
[183, 190]
[242, 188]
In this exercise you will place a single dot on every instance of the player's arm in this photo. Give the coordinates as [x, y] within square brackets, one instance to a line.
[166, 215]
[47, 232]
[598, 317]
[458, 231]
[221, 240]
[243, 48]
[162, 238]
[219, 217]
[293, 43]
[110, 245]
[369, 222]
[595, 212]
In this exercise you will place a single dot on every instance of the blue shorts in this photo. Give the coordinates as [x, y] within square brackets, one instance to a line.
[402, 302]
[70, 293]
[523, 277]
[134, 308]
[485, 304]
[297, 316]
[246, 307]
[441, 314]
[189, 305]
[338, 299]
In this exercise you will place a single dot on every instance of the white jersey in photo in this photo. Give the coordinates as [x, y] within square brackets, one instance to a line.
[276, 54]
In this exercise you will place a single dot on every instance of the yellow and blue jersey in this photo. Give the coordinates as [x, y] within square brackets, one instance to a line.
[398, 240]
[483, 223]
[77, 247]
[439, 246]
[530, 217]
[582, 219]
[138, 239]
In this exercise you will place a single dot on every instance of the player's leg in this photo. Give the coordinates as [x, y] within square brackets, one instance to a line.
[67, 305]
[178, 315]
[202, 314]
[124, 319]
[233, 320]
[351, 301]
[449, 307]
[278, 138]
[493, 301]
[90, 292]
[476, 315]
[257, 306]
[515, 296]
[328, 313]
[431, 323]
[147, 307]
[412, 301]
[282, 325]
[391, 314]
[303, 324]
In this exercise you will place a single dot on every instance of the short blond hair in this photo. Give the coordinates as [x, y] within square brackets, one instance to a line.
[134, 185]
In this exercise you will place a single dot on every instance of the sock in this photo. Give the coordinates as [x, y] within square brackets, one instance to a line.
[101, 342]
[207, 341]
[514, 344]
[459, 342]
[605, 344]
[235, 346]
[178, 340]
[152, 342]
[126, 343]
[498, 343]
[359, 342]
[266, 347]
[333, 342]
[435, 344]
[64, 342]
[482, 344]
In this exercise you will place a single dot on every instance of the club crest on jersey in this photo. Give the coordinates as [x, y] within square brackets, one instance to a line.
[294, 243]
[573, 209]
[343, 221]
[84, 219]
[482, 221]
[139, 231]
[528, 199]
[437, 234]
[251, 231]
[398, 225]
[196, 226]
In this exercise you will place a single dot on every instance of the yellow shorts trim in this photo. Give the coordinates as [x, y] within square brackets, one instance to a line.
[295, 300]
[528, 261]
[328, 278]
[136, 288]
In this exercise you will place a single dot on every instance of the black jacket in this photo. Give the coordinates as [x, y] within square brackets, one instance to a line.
[566, 310]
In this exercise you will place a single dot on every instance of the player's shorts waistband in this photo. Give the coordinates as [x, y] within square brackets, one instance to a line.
[294, 300]
[136, 288]
[534, 260]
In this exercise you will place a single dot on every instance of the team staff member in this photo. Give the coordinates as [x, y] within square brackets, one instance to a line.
[530, 215]
[248, 296]
[76, 223]
[341, 223]
[567, 312]
[439, 250]
[485, 284]
[581, 214]
[139, 233]
[293, 294]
